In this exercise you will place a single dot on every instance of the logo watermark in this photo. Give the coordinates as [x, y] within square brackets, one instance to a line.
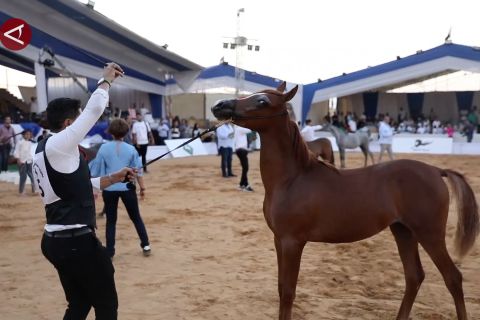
[15, 34]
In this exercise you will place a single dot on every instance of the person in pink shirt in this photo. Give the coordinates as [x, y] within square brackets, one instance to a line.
[450, 130]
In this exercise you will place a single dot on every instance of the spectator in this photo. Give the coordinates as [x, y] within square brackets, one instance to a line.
[43, 136]
[385, 138]
[163, 132]
[23, 154]
[450, 130]
[195, 130]
[175, 130]
[308, 132]
[7, 142]
[226, 143]
[142, 137]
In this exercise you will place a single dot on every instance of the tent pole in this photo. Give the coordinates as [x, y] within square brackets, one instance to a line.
[41, 88]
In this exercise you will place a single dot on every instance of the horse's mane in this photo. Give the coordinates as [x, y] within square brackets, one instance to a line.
[300, 149]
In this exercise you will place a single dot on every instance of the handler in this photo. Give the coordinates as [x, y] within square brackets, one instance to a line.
[69, 241]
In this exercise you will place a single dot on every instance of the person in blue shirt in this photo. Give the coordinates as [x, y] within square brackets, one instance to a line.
[111, 157]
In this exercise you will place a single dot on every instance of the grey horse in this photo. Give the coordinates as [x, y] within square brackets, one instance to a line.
[361, 139]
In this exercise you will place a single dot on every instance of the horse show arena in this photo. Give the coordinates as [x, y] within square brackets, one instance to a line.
[213, 255]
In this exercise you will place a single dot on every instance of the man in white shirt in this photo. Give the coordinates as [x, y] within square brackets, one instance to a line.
[308, 132]
[63, 179]
[241, 149]
[23, 154]
[142, 136]
[226, 143]
[163, 131]
[385, 133]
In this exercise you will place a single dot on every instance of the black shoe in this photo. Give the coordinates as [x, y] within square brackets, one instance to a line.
[247, 188]
[232, 175]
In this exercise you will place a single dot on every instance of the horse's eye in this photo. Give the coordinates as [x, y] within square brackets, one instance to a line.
[262, 103]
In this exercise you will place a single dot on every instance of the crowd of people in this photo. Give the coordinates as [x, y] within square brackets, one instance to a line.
[468, 124]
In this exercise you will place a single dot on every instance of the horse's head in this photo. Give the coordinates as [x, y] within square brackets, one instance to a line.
[257, 110]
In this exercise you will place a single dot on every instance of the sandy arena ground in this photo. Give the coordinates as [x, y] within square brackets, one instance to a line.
[213, 256]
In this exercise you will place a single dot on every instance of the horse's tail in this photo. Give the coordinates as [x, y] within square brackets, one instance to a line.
[468, 226]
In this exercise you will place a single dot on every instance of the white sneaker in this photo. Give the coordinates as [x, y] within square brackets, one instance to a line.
[147, 251]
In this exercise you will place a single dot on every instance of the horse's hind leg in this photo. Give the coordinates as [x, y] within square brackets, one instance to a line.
[408, 249]
[365, 154]
[437, 250]
[371, 155]
[291, 254]
[342, 157]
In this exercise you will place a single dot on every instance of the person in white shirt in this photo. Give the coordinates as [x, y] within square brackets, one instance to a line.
[163, 131]
[141, 137]
[352, 124]
[23, 154]
[241, 149]
[385, 133]
[63, 180]
[226, 143]
[308, 132]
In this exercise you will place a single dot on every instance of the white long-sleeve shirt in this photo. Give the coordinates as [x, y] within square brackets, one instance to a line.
[308, 132]
[225, 135]
[23, 151]
[62, 148]
[385, 133]
[241, 141]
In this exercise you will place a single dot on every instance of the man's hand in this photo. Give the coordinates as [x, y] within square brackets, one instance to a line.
[112, 71]
[124, 175]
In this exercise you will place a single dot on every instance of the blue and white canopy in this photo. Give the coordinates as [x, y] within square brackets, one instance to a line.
[222, 79]
[423, 65]
[84, 39]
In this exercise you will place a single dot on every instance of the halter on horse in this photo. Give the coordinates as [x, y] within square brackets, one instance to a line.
[308, 200]
[344, 141]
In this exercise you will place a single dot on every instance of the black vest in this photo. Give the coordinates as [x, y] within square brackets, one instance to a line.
[76, 204]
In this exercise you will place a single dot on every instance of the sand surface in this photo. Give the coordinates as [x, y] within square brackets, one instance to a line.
[213, 256]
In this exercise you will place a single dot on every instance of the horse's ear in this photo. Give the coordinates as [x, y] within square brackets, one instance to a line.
[290, 94]
[282, 86]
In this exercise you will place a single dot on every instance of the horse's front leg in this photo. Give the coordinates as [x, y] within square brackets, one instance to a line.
[278, 249]
[291, 254]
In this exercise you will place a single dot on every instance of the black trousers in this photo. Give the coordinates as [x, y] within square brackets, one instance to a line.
[86, 273]
[129, 199]
[142, 151]
[4, 155]
[226, 162]
[242, 155]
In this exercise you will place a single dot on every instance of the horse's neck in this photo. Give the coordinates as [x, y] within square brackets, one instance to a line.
[280, 158]
[336, 133]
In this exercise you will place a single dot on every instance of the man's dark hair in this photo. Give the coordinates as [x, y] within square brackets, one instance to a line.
[308, 121]
[58, 110]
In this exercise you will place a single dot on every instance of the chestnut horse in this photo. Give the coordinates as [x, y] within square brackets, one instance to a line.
[308, 200]
[322, 147]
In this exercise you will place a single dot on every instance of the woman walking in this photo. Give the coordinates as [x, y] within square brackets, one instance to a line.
[110, 157]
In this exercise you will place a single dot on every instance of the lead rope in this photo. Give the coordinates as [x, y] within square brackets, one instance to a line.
[130, 184]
